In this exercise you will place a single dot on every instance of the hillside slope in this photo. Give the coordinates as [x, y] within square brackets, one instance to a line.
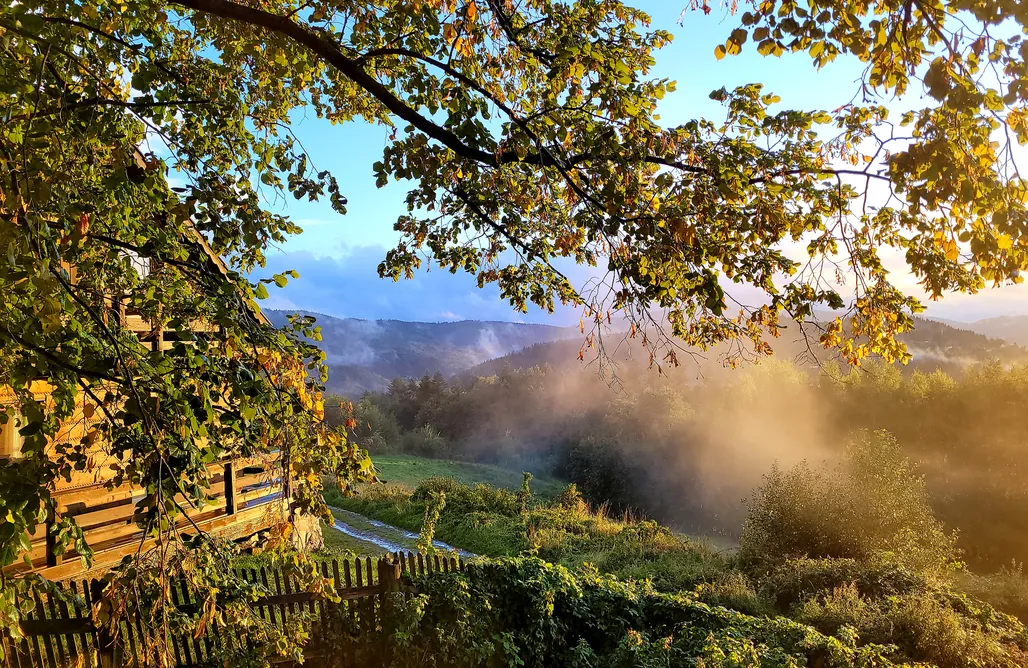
[365, 355]
[933, 344]
[1011, 328]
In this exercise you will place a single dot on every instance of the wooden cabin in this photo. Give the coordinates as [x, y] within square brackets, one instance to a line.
[246, 495]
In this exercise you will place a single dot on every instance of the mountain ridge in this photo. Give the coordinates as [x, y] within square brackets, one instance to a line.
[366, 355]
[1010, 328]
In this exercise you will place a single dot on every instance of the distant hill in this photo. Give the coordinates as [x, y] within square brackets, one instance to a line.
[933, 344]
[1011, 328]
[366, 354]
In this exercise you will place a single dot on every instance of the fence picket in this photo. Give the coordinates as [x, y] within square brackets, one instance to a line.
[282, 606]
[61, 634]
[41, 614]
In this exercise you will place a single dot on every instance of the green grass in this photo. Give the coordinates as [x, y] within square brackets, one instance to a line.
[410, 471]
[885, 602]
[487, 521]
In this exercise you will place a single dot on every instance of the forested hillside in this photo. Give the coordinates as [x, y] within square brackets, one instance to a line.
[365, 355]
[687, 451]
[933, 345]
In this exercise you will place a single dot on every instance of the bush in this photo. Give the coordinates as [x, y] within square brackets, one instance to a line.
[426, 441]
[376, 429]
[886, 603]
[795, 581]
[463, 499]
[570, 498]
[527, 612]
[873, 503]
[1006, 590]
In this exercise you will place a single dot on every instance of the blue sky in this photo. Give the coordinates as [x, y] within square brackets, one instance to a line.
[337, 256]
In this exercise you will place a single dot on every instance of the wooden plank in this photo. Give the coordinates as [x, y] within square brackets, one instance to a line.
[175, 640]
[134, 652]
[360, 585]
[143, 658]
[369, 602]
[421, 564]
[206, 640]
[251, 516]
[262, 610]
[283, 610]
[287, 581]
[46, 627]
[338, 582]
[41, 616]
[81, 649]
[122, 512]
[322, 604]
[97, 494]
[243, 481]
[87, 597]
[244, 499]
[264, 581]
[69, 639]
[58, 638]
[179, 598]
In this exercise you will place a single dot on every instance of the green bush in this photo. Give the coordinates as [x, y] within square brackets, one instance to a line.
[873, 503]
[376, 429]
[934, 627]
[468, 499]
[530, 613]
[426, 441]
[886, 603]
[1006, 590]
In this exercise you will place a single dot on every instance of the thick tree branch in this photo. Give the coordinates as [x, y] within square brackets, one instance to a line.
[327, 50]
[352, 69]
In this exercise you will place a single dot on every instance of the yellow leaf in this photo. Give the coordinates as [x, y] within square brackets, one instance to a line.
[472, 12]
[952, 252]
[1004, 242]
[449, 32]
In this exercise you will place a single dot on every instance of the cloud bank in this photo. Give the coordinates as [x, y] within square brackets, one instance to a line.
[349, 286]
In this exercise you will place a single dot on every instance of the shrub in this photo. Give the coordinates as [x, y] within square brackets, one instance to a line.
[886, 603]
[527, 612]
[426, 441]
[795, 581]
[570, 498]
[464, 499]
[733, 590]
[1006, 590]
[375, 428]
[873, 503]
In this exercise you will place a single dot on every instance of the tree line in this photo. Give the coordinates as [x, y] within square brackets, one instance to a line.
[689, 453]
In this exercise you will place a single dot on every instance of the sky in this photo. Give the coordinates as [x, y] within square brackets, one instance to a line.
[337, 256]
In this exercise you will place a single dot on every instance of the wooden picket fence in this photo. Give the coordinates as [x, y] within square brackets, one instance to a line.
[58, 634]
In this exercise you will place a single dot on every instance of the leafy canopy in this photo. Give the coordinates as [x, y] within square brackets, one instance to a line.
[528, 136]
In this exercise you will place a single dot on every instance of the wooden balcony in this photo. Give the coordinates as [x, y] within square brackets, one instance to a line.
[244, 499]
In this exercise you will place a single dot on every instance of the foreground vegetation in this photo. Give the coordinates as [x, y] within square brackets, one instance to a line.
[845, 558]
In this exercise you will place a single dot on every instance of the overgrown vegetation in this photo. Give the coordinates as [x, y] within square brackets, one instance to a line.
[870, 567]
[687, 453]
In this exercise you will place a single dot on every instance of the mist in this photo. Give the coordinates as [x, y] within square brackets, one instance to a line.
[689, 446]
